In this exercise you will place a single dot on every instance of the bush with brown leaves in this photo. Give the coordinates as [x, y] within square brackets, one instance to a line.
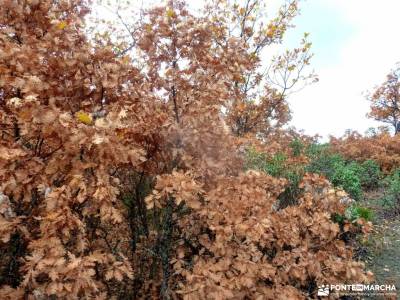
[119, 182]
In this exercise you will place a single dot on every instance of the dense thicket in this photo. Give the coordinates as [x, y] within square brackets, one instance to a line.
[119, 182]
[381, 147]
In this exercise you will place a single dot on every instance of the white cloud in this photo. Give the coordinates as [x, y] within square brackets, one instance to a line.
[336, 103]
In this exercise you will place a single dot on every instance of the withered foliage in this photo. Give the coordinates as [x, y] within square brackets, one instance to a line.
[255, 251]
[121, 183]
[385, 100]
[381, 147]
[378, 145]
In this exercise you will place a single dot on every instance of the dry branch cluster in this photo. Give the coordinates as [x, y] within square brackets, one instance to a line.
[381, 147]
[121, 183]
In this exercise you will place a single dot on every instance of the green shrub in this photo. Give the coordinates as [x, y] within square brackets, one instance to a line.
[356, 212]
[351, 176]
[335, 169]
[322, 161]
[338, 218]
[316, 150]
[352, 214]
[392, 195]
[254, 160]
[276, 166]
[297, 147]
[346, 177]
[369, 173]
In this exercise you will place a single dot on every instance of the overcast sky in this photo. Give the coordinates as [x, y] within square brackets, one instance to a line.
[356, 43]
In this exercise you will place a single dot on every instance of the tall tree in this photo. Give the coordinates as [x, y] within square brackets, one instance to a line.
[385, 100]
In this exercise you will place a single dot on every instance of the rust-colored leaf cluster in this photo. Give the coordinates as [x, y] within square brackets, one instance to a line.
[385, 100]
[121, 177]
[248, 249]
[381, 147]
